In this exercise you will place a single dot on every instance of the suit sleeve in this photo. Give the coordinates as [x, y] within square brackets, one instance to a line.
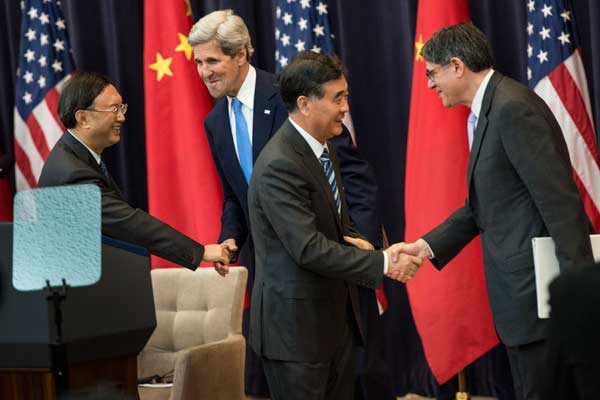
[536, 148]
[233, 221]
[449, 238]
[360, 188]
[121, 221]
[287, 203]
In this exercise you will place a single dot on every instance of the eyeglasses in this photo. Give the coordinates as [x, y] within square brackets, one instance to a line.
[119, 108]
[431, 74]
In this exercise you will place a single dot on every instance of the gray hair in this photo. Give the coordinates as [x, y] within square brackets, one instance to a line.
[226, 28]
[463, 41]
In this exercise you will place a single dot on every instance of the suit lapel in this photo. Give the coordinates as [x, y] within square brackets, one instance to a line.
[85, 155]
[315, 169]
[482, 122]
[263, 114]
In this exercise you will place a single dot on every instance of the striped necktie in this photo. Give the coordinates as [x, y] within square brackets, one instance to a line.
[242, 138]
[330, 174]
[104, 169]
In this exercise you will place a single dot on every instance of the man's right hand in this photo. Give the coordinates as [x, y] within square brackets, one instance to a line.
[402, 267]
[216, 253]
[223, 268]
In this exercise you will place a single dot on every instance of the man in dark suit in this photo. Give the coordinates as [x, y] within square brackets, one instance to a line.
[92, 110]
[304, 308]
[222, 51]
[572, 369]
[520, 186]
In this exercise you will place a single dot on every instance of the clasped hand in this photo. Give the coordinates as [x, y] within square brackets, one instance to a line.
[405, 259]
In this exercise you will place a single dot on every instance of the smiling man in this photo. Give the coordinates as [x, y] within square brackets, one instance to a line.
[248, 111]
[92, 110]
[305, 313]
[520, 185]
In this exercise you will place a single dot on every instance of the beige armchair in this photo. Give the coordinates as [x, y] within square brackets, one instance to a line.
[198, 335]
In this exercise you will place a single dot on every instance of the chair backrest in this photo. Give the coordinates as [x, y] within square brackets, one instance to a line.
[192, 308]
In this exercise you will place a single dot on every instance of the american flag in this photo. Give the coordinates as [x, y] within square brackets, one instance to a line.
[44, 66]
[555, 72]
[301, 25]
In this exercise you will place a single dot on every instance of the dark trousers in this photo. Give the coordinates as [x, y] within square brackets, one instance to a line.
[525, 365]
[373, 380]
[329, 380]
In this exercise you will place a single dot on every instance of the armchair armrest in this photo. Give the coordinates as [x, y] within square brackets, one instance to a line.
[211, 371]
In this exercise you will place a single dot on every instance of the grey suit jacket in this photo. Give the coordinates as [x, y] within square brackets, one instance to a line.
[305, 277]
[520, 186]
[70, 163]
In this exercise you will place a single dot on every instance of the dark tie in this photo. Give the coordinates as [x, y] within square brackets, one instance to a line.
[242, 138]
[329, 173]
[104, 169]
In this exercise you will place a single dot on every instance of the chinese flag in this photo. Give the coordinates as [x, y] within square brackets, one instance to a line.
[450, 307]
[183, 185]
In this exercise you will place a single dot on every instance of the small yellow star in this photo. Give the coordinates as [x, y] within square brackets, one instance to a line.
[419, 45]
[188, 8]
[184, 46]
[162, 66]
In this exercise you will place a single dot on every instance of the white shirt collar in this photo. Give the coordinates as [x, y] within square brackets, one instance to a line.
[246, 93]
[314, 144]
[97, 156]
[478, 99]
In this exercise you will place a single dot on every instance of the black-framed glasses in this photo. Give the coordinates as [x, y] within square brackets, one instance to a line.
[431, 73]
[116, 109]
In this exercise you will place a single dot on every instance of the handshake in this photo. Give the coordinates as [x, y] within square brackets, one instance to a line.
[221, 255]
[404, 259]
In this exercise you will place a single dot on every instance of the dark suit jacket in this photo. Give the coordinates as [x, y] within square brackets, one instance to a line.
[304, 276]
[70, 163]
[572, 369]
[358, 177]
[520, 186]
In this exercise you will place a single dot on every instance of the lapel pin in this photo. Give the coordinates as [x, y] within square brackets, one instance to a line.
[268, 112]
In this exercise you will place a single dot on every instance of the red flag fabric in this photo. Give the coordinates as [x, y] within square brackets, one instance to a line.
[183, 185]
[450, 307]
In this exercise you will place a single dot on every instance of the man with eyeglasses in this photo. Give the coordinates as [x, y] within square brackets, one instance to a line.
[92, 110]
[520, 186]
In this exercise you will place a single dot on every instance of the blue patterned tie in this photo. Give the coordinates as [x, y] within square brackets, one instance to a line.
[329, 173]
[244, 147]
[104, 169]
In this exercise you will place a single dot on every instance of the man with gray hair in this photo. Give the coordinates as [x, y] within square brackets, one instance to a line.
[520, 186]
[247, 113]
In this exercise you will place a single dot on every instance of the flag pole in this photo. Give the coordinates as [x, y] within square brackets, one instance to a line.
[462, 393]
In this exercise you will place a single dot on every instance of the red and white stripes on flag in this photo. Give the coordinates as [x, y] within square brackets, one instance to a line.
[44, 66]
[555, 72]
[566, 92]
[35, 137]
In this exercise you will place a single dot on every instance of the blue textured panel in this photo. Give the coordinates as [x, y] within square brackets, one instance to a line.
[57, 234]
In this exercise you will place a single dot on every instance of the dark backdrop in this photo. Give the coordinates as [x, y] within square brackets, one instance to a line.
[375, 40]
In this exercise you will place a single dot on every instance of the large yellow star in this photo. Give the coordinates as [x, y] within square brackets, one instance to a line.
[418, 46]
[184, 46]
[162, 66]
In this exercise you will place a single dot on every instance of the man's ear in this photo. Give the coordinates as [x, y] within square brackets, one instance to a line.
[82, 118]
[457, 66]
[303, 104]
[242, 56]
